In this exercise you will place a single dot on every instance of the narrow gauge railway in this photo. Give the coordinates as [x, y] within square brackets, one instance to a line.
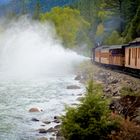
[121, 58]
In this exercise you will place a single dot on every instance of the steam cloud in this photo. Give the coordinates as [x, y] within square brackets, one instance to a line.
[31, 49]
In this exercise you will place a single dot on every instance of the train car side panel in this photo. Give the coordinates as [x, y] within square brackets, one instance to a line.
[127, 57]
[132, 57]
[105, 56]
[116, 57]
[138, 58]
[97, 56]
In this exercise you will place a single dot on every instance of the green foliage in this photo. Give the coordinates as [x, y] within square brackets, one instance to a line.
[90, 120]
[103, 11]
[68, 23]
[128, 91]
[93, 11]
[133, 30]
[100, 30]
[114, 39]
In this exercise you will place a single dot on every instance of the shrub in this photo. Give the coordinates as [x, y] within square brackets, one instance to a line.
[90, 120]
[129, 131]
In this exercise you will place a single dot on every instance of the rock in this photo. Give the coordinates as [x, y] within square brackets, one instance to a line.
[80, 98]
[46, 122]
[50, 130]
[52, 138]
[59, 136]
[78, 78]
[80, 94]
[73, 87]
[42, 130]
[54, 134]
[57, 127]
[56, 121]
[56, 117]
[35, 109]
[74, 104]
[115, 92]
[115, 81]
[43, 125]
[34, 120]
[107, 89]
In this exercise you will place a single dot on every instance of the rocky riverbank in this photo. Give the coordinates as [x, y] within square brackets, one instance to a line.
[122, 89]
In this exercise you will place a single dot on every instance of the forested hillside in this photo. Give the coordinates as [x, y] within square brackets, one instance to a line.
[111, 19]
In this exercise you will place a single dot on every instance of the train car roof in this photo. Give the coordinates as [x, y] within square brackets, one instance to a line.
[109, 47]
[132, 44]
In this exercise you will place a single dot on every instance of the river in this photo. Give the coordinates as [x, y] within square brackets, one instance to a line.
[17, 97]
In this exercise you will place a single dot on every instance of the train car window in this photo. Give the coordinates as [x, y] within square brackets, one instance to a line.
[129, 56]
[139, 53]
[135, 56]
[133, 53]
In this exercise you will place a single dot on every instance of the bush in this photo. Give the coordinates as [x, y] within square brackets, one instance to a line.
[129, 131]
[90, 120]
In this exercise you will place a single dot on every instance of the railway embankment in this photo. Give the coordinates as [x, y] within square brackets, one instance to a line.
[122, 89]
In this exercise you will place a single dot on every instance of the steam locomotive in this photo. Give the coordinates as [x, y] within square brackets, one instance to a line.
[123, 56]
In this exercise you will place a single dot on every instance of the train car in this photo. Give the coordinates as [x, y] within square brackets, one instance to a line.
[132, 55]
[110, 55]
[102, 54]
[117, 55]
[126, 57]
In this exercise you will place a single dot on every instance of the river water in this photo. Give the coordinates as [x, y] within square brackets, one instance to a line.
[17, 97]
[35, 70]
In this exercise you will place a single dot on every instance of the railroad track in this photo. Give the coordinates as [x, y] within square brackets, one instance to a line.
[121, 70]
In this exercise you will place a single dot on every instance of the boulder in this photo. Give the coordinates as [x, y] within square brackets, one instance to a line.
[57, 119]
[35, 120]
[80, 98]
[42, 130]
[78, 78]
[35, 109]
[73, 87]
[52, 138]
[46, 122]
[57, 127]
[50, 130]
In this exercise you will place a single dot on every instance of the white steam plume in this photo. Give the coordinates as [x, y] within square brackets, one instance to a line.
[30, 49]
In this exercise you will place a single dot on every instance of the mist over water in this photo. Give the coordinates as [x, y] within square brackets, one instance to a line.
[29, 49]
